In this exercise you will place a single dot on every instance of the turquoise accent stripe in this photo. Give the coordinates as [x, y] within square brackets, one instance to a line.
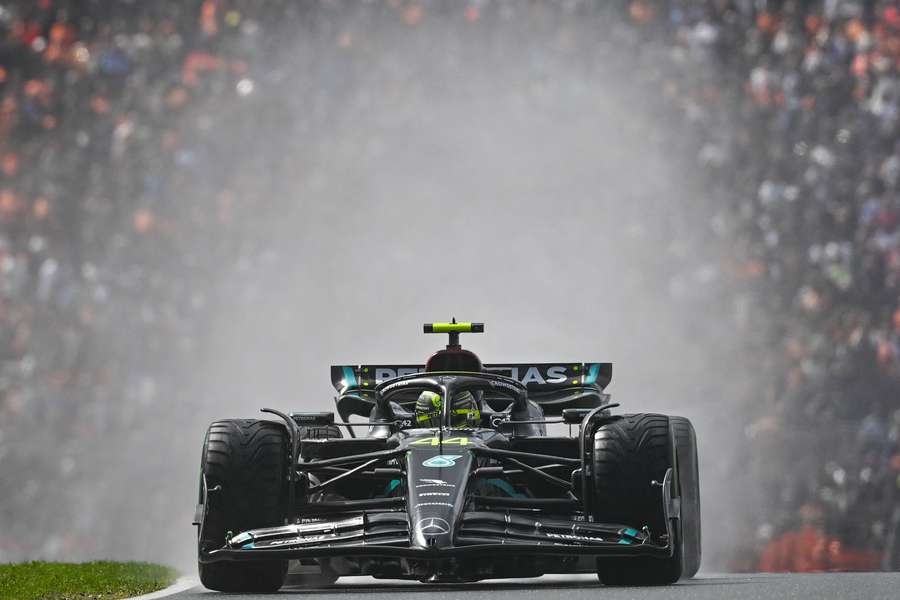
[505, 486]
[349, 377]
[625, 541]
[631, 532]
[592, 374]
[393, 485]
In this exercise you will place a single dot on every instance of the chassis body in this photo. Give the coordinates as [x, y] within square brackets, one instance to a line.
[442, 504]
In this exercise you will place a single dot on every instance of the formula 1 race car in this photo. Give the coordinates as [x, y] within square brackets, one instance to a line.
[456, 480]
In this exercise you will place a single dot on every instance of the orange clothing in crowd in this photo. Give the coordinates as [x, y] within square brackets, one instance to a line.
[808, 549]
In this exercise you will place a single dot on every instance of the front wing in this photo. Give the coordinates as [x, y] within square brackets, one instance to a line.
[387, 535]
[477, 533]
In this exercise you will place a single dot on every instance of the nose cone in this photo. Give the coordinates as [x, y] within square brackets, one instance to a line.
[436, 476]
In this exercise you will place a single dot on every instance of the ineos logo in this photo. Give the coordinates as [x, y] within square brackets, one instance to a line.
[433, 526]
[503, 384]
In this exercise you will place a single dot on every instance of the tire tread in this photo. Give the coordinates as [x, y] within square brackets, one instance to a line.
[248, 459]
[628, 454]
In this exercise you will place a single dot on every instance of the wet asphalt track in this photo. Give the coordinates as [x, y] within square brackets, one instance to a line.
[817, 586]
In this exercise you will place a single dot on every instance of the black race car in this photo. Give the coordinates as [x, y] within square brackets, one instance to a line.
[455, 480]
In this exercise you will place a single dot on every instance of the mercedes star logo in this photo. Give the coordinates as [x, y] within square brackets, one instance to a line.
[433, 526]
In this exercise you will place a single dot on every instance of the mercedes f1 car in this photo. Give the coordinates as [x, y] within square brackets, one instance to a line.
[456, 479]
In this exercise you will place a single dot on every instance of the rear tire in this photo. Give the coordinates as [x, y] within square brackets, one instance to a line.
[248, 459]
[689, 471]
[629, 453]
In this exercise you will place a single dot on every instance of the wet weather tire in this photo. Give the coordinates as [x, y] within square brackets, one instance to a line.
[629, 453]
[244, 463]
[689, 471]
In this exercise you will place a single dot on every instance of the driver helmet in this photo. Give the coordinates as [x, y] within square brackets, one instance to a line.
[464, 413]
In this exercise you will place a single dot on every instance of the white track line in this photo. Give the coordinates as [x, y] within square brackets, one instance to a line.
[181, 584]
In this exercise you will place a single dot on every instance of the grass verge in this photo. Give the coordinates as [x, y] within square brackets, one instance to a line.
[102, 580]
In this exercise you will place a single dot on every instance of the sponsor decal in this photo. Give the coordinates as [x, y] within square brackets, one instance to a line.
[552, 373]
[433, 483]
[505, 385]
[283, 542]
[394, 386]
[323, 525]
[573, 537]
[383, 373]
[434, 504]
[435, 441]
[433, 526]
[498, 420]
[556, 374]
[421, 494]
[297, 540]
[441, 460]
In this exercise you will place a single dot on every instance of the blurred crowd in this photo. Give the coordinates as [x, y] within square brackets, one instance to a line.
[130, 175]
[794, 112]
[120, 198]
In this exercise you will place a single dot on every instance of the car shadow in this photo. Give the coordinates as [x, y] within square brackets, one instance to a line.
[414, 587]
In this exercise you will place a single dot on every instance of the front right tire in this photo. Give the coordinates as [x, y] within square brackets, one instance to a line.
[629, 453]
[245, 462]
[689, 470]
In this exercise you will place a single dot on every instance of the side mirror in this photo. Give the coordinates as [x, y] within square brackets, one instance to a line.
[574, 416]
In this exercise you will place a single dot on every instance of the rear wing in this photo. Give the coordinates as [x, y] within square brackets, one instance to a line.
[537, 377]
[554, 386]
